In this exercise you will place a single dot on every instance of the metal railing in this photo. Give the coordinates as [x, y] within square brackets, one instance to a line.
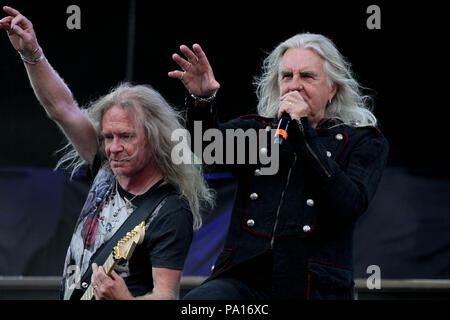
[47, 288]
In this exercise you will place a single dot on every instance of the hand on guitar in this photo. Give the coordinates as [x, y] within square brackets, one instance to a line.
[108, 287]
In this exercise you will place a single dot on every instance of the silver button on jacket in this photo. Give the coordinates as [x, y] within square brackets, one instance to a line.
[254, 196]
[250, 222]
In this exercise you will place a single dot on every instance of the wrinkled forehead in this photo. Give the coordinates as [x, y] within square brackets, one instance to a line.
[126, 113]
[300, 59]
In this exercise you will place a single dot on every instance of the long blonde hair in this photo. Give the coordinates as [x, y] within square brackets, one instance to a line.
[159, 120]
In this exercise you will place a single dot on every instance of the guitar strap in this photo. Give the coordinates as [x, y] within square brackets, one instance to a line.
[140, 214]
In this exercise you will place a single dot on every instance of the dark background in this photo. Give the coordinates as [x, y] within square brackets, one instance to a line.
[404, 64]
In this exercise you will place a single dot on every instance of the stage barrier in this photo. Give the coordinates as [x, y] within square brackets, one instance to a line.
[47, 288]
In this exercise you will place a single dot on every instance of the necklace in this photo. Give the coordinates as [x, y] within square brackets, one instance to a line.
[128, 203]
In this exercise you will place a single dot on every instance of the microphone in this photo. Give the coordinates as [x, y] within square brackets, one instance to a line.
[283, 125]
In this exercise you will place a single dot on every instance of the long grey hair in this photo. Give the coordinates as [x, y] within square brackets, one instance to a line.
[159, 120]
[349, 104]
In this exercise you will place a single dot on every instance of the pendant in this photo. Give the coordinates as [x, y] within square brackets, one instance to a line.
[128, 205]
[129, 208]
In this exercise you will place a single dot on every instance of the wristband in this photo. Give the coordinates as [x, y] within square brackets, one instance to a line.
[205, 99]
[35, 61]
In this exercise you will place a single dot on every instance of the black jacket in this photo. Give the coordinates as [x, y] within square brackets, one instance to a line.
[305, 214]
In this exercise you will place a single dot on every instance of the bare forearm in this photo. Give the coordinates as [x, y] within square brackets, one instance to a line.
[166, 284]
[50, 90]
[159, 296]
[56, 98]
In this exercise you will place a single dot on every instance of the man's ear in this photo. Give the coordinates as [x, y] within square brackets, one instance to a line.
[333, 91]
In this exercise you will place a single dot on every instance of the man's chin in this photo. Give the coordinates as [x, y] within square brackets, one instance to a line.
[118, 170]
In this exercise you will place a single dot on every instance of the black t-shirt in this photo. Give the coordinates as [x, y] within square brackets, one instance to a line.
[168, 237]
[166, 243]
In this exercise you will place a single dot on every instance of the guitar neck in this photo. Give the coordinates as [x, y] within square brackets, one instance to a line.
[108, 266]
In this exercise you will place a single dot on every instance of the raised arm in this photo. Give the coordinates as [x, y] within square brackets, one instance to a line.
[50, 89]
[197, 75]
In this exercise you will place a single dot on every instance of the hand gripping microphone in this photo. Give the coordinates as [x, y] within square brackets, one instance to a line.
[281, 133]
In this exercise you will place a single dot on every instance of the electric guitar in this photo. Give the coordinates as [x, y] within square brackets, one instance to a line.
[123, 250]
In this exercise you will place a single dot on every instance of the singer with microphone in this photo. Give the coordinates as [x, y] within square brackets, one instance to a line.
[290, 234]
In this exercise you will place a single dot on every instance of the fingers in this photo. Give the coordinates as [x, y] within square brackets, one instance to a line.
[99, 280]
[184, 64]
[4, 26]
[197, 74]
[15, 23]
[11, 11]
[94, 275]
[294, 104]
[289, 108]
[191, 57]
[17, 29]
[21, 21]
[287, 103]
[105, 285]
[199, 52]
[98, 272]
[115, 276]
[282, 110]
[110, 286]
[6, 20]
[176, 74]
[292, 95]
[5, 23]
[98, 275]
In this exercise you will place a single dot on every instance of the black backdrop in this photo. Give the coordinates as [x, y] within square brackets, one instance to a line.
[404, 64]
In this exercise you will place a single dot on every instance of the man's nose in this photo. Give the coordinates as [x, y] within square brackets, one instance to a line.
[116, 146]
[296, 84]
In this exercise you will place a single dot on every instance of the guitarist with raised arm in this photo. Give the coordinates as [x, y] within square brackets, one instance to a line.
[124, 140]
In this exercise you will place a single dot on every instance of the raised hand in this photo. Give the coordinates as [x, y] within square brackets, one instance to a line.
[197, 75]
[20, 32]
